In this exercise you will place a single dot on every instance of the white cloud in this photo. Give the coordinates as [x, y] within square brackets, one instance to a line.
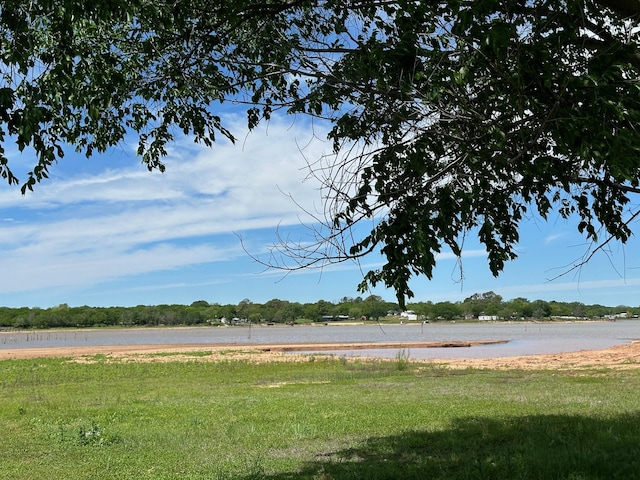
[88, 228]
[86, 268]
[554, 237]
[470, 253]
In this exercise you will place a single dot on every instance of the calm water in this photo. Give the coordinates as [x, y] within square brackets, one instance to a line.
[523, 339]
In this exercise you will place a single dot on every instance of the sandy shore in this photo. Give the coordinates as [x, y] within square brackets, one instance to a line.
[220, 349]
[617, 357]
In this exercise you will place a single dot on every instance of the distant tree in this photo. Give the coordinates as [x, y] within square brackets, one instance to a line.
[324, 308]
[7, 316]
[244, 307]
[341, 308]
[560, 309]
[291, 311]
[422, 308]
[518, 307]
[200, 303]
[541, 309]
[310, 311]
[356, 311]
[374, 299]
[488, 303]
[274, 310]
[598, 311]
[374, 307]
[577, 309]
[446, 310]
[192, 316]
[214, 312]
[227, 311]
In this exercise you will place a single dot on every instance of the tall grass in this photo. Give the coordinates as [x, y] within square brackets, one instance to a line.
[322, 419]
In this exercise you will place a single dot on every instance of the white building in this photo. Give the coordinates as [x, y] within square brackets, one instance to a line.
[409, 315]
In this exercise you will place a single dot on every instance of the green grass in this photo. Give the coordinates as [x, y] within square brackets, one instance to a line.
[321, 419]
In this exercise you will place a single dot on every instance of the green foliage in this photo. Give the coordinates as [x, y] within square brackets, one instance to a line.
[374, 308]
[461, 117]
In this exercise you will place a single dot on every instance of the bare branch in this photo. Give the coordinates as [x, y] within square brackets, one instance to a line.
[585, 259]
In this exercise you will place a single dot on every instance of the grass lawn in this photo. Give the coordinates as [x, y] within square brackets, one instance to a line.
[318, 419]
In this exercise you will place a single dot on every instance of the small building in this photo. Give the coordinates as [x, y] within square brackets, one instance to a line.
[409, 315]
[615, 316]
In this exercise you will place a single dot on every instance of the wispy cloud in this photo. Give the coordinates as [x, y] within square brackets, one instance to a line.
[554, 237]
[88, 228]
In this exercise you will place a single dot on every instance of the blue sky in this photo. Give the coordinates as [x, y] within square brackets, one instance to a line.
[104, 231]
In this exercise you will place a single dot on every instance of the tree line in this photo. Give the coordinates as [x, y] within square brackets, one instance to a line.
[374, 308]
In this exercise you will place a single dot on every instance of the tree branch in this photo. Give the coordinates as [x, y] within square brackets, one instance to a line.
[627, 8]
[587, 258]
[608, 183]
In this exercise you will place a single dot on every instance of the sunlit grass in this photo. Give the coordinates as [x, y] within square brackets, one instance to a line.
[317, 419]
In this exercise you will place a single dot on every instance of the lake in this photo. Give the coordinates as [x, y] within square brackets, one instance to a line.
[524, 338]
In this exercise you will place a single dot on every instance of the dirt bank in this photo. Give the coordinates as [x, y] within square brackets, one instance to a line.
[219, 349]
[618, 357]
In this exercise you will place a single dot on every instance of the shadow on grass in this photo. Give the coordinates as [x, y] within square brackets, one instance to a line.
[528, 447]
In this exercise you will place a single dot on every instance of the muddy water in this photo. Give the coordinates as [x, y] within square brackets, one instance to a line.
[523, 338]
